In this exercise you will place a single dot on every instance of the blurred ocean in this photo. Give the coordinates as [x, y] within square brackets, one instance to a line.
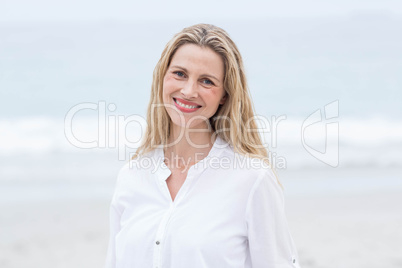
[294, 68]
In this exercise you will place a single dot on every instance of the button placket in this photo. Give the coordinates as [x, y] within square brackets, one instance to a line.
[165, 172]
[294, 261]
[160, 236]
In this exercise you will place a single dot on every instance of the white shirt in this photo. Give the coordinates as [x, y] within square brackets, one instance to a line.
[228, 213]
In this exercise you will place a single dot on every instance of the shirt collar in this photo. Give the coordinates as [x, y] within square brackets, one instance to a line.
[164, 172]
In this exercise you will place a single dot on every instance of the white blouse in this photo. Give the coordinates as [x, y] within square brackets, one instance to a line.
[228, 213]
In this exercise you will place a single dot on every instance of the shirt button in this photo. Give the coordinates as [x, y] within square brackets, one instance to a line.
[157, 242]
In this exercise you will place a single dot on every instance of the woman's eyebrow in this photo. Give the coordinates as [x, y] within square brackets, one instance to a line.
[184, 69]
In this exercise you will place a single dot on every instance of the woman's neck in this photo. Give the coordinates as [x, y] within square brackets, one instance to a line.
[189, 147]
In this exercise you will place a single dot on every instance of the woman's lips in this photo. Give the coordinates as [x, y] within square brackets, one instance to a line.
[185, 106]
[187, 102]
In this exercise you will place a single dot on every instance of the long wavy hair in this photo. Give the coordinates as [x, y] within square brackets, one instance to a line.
[232, 119]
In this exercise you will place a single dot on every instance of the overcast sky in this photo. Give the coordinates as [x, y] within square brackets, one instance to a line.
[28, 10]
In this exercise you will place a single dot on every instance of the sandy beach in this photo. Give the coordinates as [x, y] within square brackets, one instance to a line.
[332, 229]
[360, 231]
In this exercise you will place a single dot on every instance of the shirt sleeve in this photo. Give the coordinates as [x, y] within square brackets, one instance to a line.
[270, 242]
[114, 226]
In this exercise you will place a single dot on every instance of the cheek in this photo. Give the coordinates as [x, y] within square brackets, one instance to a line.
[166, 92]
[168, 84]
[213, 97]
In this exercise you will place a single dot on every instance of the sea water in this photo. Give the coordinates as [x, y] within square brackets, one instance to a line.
[295, 69]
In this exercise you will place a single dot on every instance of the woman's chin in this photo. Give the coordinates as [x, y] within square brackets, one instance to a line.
[187, 125]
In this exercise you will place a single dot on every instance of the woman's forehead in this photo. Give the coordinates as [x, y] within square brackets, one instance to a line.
[194, 58]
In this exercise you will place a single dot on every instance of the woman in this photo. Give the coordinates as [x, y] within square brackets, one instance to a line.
[200, 191]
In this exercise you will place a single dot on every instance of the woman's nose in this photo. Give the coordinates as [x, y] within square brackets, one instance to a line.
[189, 90]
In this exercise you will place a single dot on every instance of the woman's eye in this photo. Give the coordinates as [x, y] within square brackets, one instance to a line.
[207, 81]
[179, 73]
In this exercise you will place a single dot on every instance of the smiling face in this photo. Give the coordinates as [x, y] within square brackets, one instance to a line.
[193, 86]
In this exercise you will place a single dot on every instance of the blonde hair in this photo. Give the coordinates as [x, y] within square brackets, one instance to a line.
[238, 107]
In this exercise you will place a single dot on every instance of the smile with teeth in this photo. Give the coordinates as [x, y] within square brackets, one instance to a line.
[185, 105]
